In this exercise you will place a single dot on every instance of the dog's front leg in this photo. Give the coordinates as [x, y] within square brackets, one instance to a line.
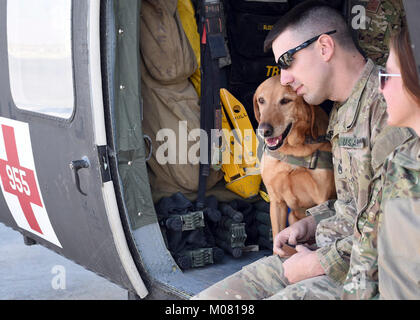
[278, 216]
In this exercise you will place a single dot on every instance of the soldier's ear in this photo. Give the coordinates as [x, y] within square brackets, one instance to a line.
[326, 46]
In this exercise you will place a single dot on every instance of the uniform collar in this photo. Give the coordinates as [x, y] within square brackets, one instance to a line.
[353, 104]
[408, 154]
[360, 84]
[417, 147]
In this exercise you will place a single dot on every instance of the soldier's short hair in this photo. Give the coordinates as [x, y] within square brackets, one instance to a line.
[310, 19]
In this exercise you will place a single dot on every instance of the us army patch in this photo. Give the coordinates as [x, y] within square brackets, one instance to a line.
[373, 6]
[352, 142]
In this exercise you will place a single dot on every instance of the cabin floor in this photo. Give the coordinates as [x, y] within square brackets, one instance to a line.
[210, 274]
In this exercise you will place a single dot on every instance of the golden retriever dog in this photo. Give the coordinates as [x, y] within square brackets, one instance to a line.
[291, 169]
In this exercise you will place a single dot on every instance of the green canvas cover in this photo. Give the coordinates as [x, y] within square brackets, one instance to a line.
[128, 116]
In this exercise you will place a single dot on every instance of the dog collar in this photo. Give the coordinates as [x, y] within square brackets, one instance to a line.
[317, 160]
[319, 139]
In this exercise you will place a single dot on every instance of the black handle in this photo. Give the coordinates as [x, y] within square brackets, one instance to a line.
[76, 165]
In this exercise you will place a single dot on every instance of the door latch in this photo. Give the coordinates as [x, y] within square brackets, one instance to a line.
[76, 165]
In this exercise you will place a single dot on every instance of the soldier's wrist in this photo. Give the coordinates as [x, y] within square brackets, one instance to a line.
[311, 224]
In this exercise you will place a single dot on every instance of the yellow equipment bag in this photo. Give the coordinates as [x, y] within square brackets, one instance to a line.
[189, 24]
[239, 150]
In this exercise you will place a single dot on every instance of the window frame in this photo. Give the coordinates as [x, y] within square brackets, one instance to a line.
[42, 115]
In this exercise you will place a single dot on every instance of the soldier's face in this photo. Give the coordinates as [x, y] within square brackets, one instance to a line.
[305, 75]
[400, 106]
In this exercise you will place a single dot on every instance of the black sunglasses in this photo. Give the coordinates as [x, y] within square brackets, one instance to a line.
[285, 60]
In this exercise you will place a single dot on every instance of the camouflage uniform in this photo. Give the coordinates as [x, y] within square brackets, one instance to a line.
[361, 141]
[399, 237]
[393, 210]
[361, 280]
[264, 279]
[383, 19]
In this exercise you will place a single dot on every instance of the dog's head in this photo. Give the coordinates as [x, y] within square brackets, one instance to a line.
[282, 115]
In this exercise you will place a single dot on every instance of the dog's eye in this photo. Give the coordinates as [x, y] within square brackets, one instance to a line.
[285, 101]
[261, 100]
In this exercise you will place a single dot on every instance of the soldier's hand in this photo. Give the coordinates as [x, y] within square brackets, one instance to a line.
[280, 241]
[303, 265]
[299, 232]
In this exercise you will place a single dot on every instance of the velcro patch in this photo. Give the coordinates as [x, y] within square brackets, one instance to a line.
[373, 6]
[352, 142]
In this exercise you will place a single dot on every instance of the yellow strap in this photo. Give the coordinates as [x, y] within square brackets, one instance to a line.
[265, 196]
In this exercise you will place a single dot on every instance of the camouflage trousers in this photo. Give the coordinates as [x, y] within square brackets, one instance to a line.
[264, 279]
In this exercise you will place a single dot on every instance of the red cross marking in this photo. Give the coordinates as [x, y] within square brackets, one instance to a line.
[19, 180]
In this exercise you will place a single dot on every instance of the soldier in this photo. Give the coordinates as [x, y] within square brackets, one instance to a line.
[319, 60]
[383, 19]
[394, 208]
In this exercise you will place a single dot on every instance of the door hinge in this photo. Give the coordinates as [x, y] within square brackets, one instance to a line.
[104, 163]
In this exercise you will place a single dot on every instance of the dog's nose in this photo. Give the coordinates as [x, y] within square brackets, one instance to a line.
[265, 130]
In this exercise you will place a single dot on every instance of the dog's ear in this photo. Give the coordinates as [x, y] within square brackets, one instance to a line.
[319, 121]
[256, 108]
[314, 127]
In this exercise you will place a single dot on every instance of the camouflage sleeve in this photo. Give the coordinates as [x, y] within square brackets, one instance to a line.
[334, 258]
[322, 211]
[362, 278]
[399, 238]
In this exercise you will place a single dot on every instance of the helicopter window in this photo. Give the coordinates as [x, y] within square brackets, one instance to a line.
[40, 56]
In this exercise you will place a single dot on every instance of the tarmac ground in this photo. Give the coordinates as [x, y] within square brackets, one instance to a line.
[36, 273]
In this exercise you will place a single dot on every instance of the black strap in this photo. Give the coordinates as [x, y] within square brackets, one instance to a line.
[212, 48]
[319, 139]
[317, 160]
